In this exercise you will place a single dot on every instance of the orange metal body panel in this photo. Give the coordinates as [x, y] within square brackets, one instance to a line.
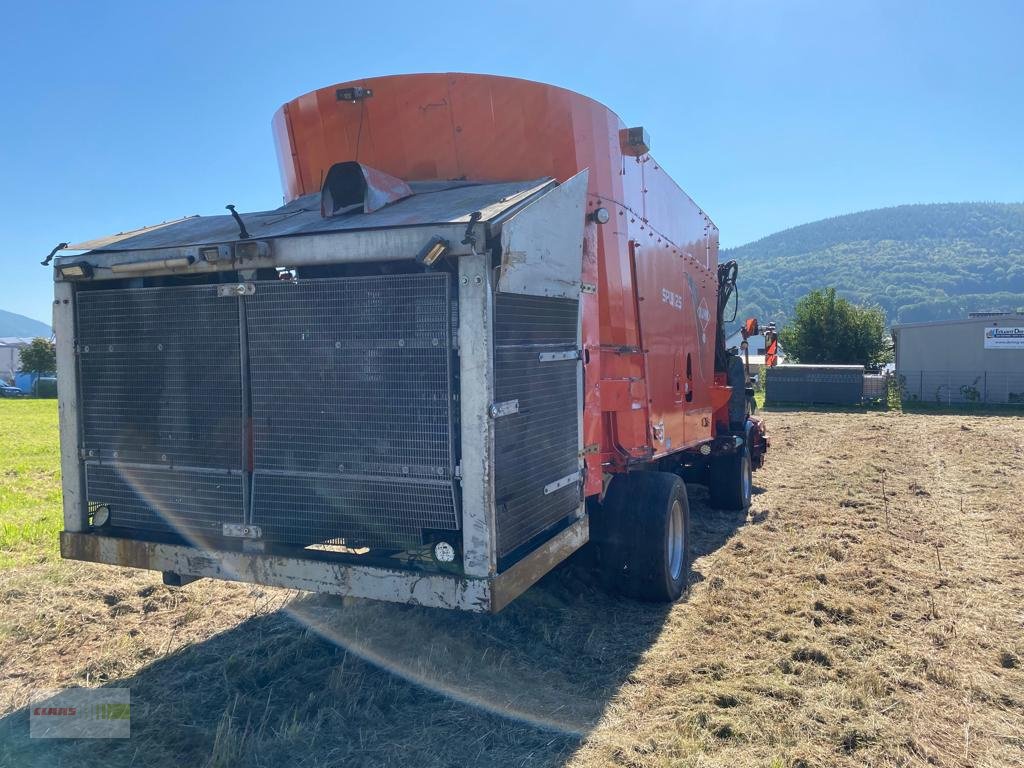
[654, 263]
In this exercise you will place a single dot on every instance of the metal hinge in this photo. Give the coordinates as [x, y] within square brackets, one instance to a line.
[588, 288]
[569, 354]
[561, 483]
[588, 449]
[506, 408]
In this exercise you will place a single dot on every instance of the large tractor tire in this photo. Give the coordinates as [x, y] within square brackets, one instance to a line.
[642, 534]
[732, 480]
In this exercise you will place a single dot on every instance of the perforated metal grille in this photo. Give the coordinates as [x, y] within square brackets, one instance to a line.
[351, 408]
[160, 375]
[539, 444]
[317, 508]
[189, 502]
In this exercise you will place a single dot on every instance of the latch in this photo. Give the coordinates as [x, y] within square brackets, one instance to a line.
[236, 289]
[242, 531]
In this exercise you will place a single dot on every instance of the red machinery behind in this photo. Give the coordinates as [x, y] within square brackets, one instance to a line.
[654, 385]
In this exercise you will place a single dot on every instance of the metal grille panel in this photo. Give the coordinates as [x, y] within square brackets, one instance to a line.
[160, 372]
[189, 502]
[539, 444]
[351, 408]
[160, 376]
[312, 509]
[837, 384]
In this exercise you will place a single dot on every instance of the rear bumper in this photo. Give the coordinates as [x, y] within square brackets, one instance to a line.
[435, 590]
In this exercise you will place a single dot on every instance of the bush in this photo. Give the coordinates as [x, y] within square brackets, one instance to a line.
[829, 329]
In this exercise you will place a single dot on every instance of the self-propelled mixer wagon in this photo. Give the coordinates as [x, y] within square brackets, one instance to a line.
[484, 329]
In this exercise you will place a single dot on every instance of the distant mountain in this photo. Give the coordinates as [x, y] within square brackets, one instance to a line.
[19, 325]
[918, 262]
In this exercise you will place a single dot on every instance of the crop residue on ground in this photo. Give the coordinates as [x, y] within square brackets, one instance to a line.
[868, 611]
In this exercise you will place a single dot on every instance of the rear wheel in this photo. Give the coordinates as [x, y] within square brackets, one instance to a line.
[642, 535]
[732, 480]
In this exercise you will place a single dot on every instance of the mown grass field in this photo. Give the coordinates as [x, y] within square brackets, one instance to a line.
[866, 612]
[30, 505]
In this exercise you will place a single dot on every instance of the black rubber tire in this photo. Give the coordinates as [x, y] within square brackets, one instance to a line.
[632, 533]
[732, 480]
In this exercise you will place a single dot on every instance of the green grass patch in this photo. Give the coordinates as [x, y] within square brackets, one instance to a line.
[30, 495]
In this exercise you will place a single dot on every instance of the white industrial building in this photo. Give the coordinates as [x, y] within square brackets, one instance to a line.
[977, 359]
[10, 355]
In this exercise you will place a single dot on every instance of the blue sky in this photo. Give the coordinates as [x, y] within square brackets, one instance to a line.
[770, 113]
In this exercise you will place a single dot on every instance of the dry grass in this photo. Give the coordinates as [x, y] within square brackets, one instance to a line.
[835, 626]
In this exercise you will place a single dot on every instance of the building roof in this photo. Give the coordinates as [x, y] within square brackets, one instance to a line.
[16, 341]
[1005, 319]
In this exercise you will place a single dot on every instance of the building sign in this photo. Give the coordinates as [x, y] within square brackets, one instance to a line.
[1005, 337]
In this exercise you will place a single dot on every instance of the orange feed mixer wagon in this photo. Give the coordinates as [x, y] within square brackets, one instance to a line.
[484, 329]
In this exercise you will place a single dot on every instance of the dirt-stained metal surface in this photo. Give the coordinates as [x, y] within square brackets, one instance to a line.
[529, 571]
[391, 585]
[476, 377]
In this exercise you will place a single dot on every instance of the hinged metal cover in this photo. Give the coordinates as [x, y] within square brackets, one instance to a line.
[542, 245]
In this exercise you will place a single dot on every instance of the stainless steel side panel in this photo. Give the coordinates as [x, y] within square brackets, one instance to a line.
[477, 392]
[72, 478]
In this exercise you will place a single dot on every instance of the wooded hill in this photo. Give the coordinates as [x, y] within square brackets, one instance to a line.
[918, 262]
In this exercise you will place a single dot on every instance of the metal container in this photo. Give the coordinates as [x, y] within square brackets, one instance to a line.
[815, 384]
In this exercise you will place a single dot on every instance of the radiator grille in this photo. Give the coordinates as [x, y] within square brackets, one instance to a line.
[351, 409]
[188, 502]
[160, 376]
[309, 509]
[350, 391]
[160, 380]
[539, 444]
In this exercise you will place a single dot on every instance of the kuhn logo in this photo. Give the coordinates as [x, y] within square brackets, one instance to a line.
[674, 300]
[703, 314]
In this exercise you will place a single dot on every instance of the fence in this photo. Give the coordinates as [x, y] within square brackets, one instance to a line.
[876, 387]
[950, 387]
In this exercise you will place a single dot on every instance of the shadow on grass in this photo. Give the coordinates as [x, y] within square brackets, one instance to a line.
[325, 682]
